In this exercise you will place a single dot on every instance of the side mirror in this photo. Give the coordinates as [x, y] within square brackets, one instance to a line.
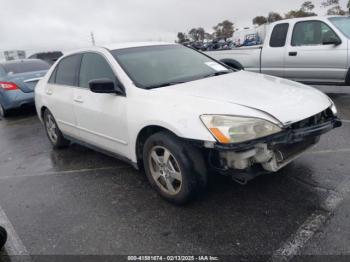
[332, 41]
[105, 86]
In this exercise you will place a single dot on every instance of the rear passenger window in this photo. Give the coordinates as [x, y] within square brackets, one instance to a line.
[67, 70]
[94, 66]
[279, 35]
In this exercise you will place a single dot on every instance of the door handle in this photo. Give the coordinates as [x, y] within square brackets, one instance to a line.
[79, 99]
[49, 92]
[293, 53]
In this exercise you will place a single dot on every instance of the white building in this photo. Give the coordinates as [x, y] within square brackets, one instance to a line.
[14, 55]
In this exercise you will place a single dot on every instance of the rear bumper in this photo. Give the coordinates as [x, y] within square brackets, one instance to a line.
[16, 99]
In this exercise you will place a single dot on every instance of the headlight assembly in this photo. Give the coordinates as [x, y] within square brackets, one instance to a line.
[334, 109]
[233, 129]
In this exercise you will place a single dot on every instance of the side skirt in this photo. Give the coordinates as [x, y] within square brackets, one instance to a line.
[102, 151]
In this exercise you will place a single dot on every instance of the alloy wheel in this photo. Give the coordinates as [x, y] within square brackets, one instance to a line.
[165, 170]
[51, 128]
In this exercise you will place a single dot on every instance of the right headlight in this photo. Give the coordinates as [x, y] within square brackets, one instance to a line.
[334, 108]
[233, 129]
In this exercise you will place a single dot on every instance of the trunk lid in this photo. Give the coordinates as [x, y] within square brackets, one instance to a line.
[26, 81]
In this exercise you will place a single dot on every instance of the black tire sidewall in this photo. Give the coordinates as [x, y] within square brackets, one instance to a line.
[3, 237]
[192, 180]
[4, 112]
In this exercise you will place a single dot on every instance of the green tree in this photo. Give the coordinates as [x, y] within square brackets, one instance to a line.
[193, 34]
[197, 34]
[334, 7]
[259, 20]
[224, 29]
[273, 17]
[181, 37]
[304, 11]
[307, 6]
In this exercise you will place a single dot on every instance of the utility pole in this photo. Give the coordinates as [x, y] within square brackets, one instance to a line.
[92, 38]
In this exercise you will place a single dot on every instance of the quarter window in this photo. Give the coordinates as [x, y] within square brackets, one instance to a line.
[52, 79]
[312, 33]
[279, 35]
[67, 70]
[94, 66]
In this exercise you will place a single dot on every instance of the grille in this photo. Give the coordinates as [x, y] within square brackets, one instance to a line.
[318, 119]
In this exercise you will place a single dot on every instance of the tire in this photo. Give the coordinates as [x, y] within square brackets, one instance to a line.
[3, 112]
[182, 176]
[53, 132]
[3, 237]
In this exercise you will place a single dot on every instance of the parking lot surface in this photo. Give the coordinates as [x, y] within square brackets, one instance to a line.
[79, 202]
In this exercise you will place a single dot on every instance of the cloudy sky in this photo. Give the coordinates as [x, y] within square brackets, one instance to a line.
[38, 25]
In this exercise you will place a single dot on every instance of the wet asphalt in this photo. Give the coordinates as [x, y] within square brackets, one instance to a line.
[79, 202]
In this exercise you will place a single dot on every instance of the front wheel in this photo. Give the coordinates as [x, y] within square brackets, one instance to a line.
[53, 132]
[176, 170]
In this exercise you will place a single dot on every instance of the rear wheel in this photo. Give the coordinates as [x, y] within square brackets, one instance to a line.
[3, 237]
[176, 170]
[53, 132]
[3, 112]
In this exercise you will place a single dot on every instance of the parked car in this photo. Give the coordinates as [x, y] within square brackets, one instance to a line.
[17, 82]
[3, 237]
[177, 113]
[313, 50]
[49, 57]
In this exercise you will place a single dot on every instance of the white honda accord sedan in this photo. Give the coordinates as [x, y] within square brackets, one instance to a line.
[178, 114]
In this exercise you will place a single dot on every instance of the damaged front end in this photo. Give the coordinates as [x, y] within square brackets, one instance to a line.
[245, 161]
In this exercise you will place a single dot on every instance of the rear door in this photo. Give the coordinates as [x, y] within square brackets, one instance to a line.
[59, 91]
[101, 118]
[309, 60]
[272, 57]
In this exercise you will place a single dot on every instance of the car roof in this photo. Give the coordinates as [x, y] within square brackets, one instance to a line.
[18, 61]
[117, 46]
[135, 44]
[322, 18]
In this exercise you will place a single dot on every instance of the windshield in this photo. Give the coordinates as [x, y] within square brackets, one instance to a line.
[25, 66]
[343, 24]
[157, 66]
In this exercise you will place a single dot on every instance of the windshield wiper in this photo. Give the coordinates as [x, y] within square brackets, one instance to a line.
[166, 84]
[218, 74]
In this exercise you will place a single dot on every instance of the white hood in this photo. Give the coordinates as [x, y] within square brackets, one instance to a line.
[287, 101]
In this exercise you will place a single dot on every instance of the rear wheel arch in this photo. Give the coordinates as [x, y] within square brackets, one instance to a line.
[232, 63]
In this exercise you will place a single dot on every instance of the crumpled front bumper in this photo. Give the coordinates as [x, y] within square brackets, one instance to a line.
[287, 136]
[245, 161]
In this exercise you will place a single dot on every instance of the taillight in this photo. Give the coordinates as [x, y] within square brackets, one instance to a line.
[7, 86]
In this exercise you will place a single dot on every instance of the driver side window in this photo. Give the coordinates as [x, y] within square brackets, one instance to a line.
[94, 66]
[312, 33]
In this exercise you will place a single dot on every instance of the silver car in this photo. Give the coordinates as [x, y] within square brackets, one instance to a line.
[313, 50]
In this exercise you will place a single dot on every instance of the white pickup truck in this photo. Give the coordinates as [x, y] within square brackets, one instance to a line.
[312, 50]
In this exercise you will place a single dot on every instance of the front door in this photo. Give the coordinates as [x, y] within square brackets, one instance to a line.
[101, 118]
[310, 59]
